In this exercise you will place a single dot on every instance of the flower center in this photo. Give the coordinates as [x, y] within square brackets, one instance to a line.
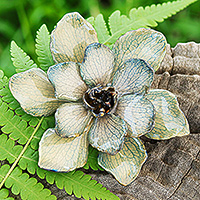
[100, 100]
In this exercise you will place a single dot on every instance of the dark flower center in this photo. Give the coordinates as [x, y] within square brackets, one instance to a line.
[100, 100]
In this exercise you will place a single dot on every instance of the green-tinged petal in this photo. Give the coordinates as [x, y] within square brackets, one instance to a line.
[107, 134]
[97, 65]
[62, 154]
[71, 119]
[170, 120]
[67, 81]
[138, 112]
[34, 92]
[135, 76]
[126, 164]
[145, 44]
[70, 38]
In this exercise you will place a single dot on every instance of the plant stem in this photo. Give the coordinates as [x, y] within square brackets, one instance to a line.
[22, 152]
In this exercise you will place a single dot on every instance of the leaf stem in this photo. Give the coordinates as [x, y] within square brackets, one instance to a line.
[22, 152]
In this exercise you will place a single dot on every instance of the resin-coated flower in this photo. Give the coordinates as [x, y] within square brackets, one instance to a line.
[100, 98]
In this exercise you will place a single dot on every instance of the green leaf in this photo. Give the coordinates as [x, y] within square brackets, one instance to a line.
[29, 161]
[21, 60]
[90, 20]
[43, 48]
[116, 21]
[28, 188]
[101, 28]
[138, 17]
[92, 161]
[170, 120]
[14, 125]
[4, 195]
[8, 149]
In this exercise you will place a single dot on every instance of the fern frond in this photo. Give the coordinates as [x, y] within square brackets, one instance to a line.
[43, 48]
[157, 13]
[8, 104]
[117, 21]
[21, 60]
[20, 183]
[9, 151]
[139, 17]
[92, 160]
[18, 129]
[81, 185]
[4, 195]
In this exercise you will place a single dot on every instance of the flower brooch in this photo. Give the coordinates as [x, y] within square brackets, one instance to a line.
[101, 97]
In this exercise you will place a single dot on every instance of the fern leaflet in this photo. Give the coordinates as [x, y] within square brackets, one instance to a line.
[102, 30]
[92, 160]
[90, 20]
[14, 125]
[21, 60]
[20, 183]
[8, 150]
[43, 48]
[4, 194]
